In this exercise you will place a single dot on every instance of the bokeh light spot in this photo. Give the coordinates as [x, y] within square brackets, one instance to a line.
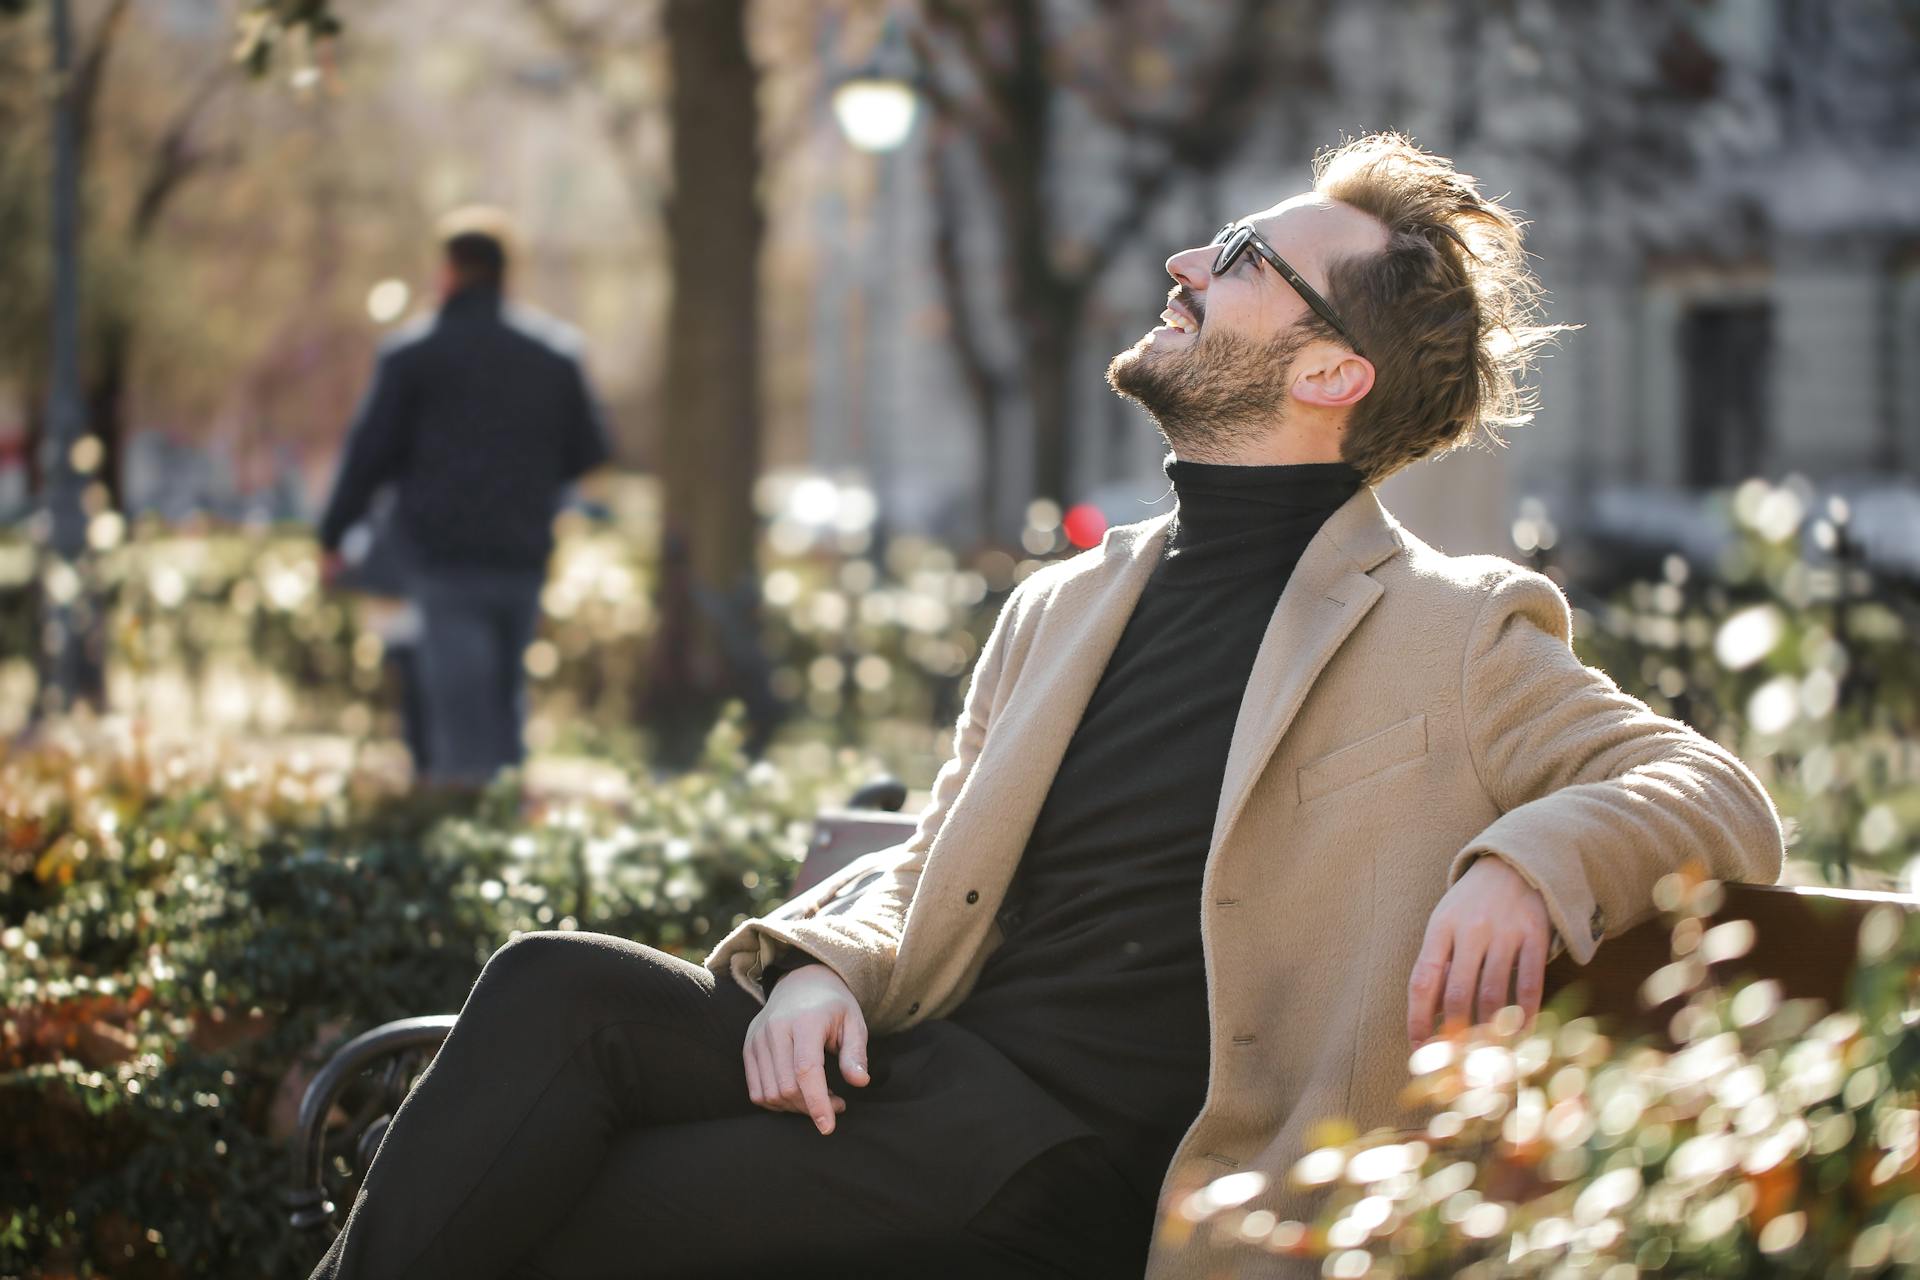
[1085, 525]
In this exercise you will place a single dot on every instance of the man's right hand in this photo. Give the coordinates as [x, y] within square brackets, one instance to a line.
[810, 1011]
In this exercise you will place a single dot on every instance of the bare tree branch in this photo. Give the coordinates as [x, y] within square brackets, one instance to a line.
[1203, 141]
[584, 46]
[985, 384]
[941, 101]
[968, 26]
[1007, 107]
[176, 158]
[90, 73]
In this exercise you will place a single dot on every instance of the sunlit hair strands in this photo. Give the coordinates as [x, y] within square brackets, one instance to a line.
[1448, 313]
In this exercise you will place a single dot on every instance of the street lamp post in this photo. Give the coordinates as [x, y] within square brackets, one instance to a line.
[875, 108]
[876, 104]
[67, 616]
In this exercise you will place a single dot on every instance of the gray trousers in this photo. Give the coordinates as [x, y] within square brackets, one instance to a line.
[476, 625]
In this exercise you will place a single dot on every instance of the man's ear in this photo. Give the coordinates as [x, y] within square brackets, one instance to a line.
[1340, 381]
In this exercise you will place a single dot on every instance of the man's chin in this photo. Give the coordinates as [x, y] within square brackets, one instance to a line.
[1131, 362]
[1122, 368]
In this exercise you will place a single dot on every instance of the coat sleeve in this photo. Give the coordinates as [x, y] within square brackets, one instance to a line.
[1599, 797]
[376, 448]
[858, 937]
[584, 440]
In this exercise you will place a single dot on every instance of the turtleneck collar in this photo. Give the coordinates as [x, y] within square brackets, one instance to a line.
[1248, 520]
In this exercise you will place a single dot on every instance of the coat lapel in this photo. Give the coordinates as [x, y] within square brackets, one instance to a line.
[1325, 599]
[1078, 630]
[1079, 627]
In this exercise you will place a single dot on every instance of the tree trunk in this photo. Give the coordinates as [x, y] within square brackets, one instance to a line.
[983, 382]
[710, 422]
[1050, 377]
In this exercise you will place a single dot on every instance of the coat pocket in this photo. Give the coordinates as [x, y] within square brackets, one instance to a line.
[1394, 745]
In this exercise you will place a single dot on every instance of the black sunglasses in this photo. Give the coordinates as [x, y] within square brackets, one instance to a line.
[1234, 239]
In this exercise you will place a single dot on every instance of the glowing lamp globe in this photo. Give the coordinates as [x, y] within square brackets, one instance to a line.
[875, 113]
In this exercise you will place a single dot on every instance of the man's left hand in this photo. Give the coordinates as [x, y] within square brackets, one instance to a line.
[1491, 927]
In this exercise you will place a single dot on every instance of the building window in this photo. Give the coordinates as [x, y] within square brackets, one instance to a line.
[1726, 349]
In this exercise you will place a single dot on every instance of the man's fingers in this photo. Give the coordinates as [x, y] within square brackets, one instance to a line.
[1423, 985]
[1496, 975]
[753, 1071]
[1463, 975]
[769, 1078]
[853, 1050]
[810, 1069]
[797, 1058]
[1530, 976]
[789, 1084]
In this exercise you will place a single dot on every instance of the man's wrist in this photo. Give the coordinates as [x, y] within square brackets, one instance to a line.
[780, 968]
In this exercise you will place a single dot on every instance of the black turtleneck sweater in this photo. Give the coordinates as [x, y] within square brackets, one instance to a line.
[1099, 992]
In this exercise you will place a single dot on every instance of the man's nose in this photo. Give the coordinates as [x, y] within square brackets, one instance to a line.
[1189, 267]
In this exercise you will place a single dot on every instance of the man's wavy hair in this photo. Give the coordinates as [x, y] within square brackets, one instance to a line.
[1448, 313]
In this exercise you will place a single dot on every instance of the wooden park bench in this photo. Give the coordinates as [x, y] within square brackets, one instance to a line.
[1806, 939]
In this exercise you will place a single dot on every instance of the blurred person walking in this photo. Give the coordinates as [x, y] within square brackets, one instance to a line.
[480, 416]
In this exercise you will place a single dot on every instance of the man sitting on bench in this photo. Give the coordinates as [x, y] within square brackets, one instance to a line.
[1244, 804]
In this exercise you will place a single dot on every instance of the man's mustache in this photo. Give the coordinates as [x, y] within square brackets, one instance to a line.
[1185, 297]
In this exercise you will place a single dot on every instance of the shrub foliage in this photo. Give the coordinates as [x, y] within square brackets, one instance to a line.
[187, 935]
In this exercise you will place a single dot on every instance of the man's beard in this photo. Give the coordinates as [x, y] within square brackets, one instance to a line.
[1218, 391]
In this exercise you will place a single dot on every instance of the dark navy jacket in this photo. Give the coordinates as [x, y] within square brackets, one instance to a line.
[481, 414]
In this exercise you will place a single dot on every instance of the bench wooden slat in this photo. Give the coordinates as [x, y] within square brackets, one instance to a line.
[841, 835]
[1806, 939]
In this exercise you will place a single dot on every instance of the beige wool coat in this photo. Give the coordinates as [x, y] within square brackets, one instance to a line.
[1406, 712]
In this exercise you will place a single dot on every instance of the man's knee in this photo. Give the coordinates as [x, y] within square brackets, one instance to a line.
[579, 969]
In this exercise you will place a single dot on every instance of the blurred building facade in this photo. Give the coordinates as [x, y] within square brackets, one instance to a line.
[1725, 194]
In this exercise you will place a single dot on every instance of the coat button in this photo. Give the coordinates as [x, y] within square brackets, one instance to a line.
[973, 895]
[913, 1008]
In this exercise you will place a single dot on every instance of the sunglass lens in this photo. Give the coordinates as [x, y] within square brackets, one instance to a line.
[1230, 248]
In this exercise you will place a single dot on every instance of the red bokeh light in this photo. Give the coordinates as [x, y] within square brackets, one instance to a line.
[1084, 525]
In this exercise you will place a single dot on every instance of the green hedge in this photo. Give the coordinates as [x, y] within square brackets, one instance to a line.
[180, 931]
[1802, 662]
[229, 626]
[1780, 1139]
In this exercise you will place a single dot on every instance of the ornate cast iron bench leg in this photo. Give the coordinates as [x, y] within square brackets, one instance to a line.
[367, 1080]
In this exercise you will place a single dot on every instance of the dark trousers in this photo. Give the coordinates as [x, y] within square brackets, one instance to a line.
[475, 629]
[588, 1117]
